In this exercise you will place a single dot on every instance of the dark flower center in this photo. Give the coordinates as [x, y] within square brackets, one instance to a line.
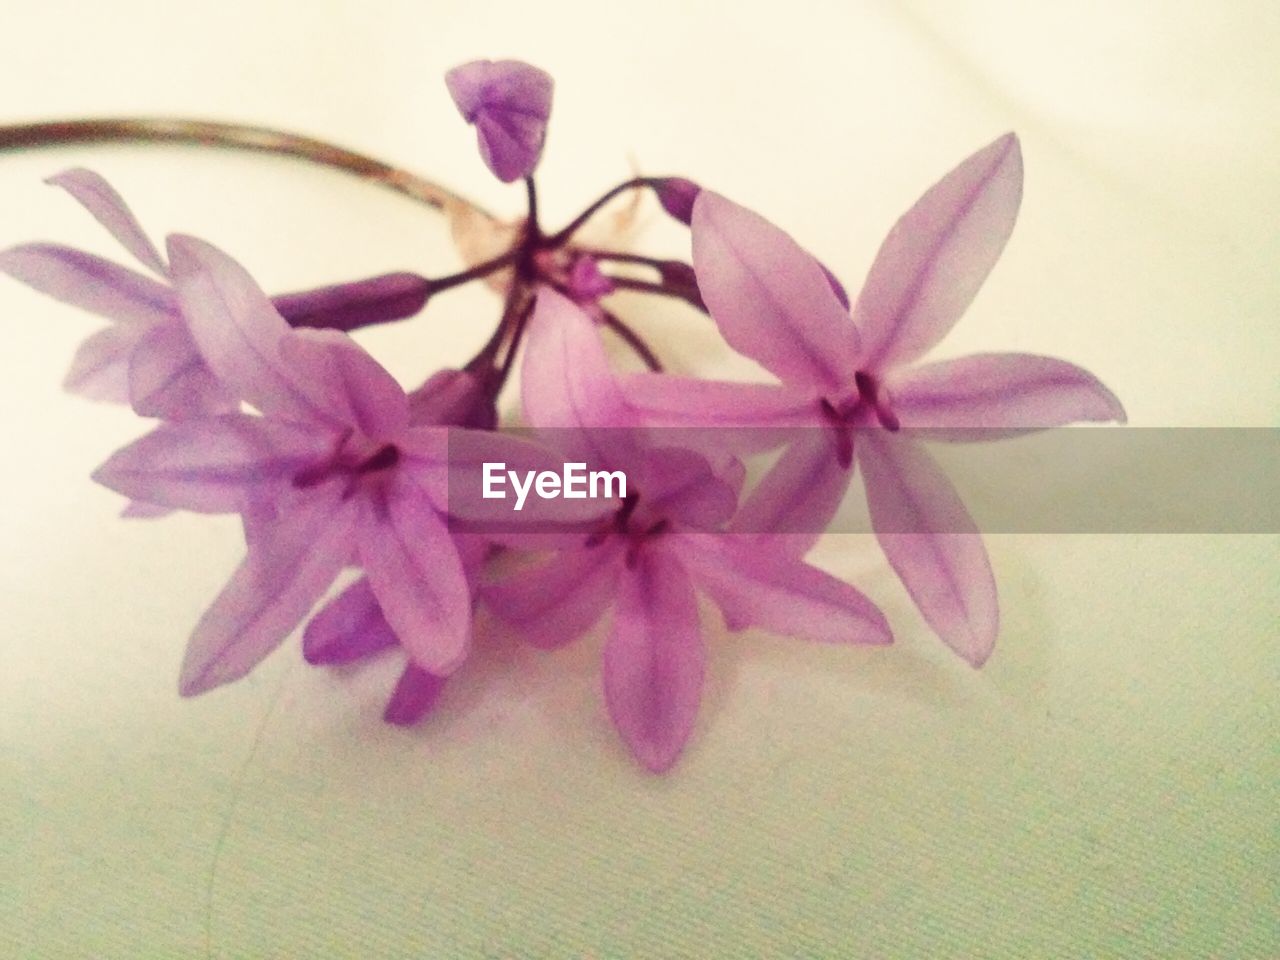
[348, 463]
[624, 524]
[867, 406]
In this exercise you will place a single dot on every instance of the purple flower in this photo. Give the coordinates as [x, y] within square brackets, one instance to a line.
[331, 472]
[509, 103]
[146, 357]
[856, 376]
[657, 549]
[351, 627]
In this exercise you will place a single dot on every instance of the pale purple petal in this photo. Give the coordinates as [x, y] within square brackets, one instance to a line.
[100, 369]
[351, 386]
[654, 661]
[935, 259]
[109, 209]
[453, 397]
[720, 414]
[213, 465]
[360, 303]
[931, 542]
[417, 576]
[287, 570]
[799, 495]
[567, 385]
[414, 697]
[239, 332]
[509, 103]
[771, 299]
[559, 599]
[999, 391]
[349, 627]
[139, 510]
[90, 283]
[168, 378]
[684, 487]
[754, 587]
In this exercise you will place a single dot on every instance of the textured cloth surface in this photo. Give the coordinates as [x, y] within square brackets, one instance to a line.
[1105, 787]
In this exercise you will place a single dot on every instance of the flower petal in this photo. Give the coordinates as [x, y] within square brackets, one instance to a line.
[937, 255]
[799, 495]
[567, 386]
[168, 378]
[560, 599]
[931, 542]
[999, 391]
[453, 397]
[287, 570]
[720, 414]
[352, 387]
[682, 486]
[100, 369]
[417, 576]
[212, 465]
[90, 283]
[754, 587]
[139, 510]
[239, 332]
[349, 627]
[654, 660]
[771, 299]
[109, 209]
[414, 697]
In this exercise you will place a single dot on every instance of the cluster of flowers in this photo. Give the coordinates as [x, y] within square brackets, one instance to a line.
[267, 408]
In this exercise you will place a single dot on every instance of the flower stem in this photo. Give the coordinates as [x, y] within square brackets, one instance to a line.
[634, 341]
[237, 136]
[533, 230]
[560, 237]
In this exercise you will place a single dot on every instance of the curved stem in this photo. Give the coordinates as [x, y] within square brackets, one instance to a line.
[562, 235]
[236, 136]
[633, 340]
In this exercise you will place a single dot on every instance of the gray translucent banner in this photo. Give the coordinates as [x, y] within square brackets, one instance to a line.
[1065, 480]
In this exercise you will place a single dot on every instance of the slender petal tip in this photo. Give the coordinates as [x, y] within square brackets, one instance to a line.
[509, 103]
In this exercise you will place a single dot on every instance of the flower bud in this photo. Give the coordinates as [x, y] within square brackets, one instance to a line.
[361, 303]
[676, 194]
[509, 103]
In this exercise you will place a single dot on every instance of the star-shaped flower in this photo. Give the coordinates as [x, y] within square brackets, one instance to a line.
[146, 358]
[658, 549]
[330, 471]
[856, 376]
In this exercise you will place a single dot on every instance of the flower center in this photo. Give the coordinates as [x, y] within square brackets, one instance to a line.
[350, 461]
[866, 406]
[625, 524]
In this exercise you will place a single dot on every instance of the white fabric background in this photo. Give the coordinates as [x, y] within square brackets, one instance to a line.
[1105, 787]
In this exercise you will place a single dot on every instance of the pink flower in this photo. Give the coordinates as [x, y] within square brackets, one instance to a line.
[855, 376]
[351, 627]
[654, 553]
[146, 357]
[509, 103]
[330, 472]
